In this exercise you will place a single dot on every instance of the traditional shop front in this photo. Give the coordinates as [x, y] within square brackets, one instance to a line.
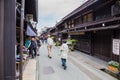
[102, 44]
[94, 24]
[98, 42]
[84, 41]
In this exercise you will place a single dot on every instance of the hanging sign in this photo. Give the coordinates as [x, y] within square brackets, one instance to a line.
[116, 46]
[77, 33]
[29, 31]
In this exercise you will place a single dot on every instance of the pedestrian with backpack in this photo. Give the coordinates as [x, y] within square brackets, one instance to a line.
[64, 54]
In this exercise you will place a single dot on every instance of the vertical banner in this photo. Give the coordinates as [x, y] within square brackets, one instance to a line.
[29, 31]
[116, 46]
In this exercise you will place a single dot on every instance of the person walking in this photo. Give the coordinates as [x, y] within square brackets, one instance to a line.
[38, 46]
[64, 54]
[49, 46]
[33, 47]
[28, 44]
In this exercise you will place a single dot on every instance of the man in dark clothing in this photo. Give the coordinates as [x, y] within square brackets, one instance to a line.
[38, 43]
[33, 47]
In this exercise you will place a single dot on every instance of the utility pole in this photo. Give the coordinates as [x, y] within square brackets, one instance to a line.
[21, 39]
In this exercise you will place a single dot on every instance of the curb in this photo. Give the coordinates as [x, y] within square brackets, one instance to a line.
[37, 68]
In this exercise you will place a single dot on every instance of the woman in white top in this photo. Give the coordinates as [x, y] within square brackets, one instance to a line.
[64, 54]
[49, 45]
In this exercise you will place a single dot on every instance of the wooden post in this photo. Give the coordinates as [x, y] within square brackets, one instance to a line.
[119, 55]
[1, 40]
[7, 39]
[21, 39]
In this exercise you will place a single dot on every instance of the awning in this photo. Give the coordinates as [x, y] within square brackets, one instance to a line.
[29, 31]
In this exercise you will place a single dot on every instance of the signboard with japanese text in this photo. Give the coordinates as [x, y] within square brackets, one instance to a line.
[116, 46]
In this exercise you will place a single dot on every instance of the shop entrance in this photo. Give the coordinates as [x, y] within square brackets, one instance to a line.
[102, 42]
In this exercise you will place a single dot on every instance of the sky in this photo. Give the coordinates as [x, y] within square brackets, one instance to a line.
[52, 11]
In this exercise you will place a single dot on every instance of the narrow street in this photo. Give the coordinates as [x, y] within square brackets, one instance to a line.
[78, 68]
[90, 27]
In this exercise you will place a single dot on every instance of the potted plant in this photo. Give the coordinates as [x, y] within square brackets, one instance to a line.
[53, 37]
[113, 66]
[57, 43]
[71, 43]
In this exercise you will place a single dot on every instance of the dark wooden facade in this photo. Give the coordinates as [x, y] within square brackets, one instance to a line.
[8, 22]
[102, 44]
[7, 39]
[94, 24]
[84, 42]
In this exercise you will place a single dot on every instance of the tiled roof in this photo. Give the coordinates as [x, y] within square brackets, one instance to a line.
[85, 5]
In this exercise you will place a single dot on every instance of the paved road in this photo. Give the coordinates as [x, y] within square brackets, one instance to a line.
[51, 69]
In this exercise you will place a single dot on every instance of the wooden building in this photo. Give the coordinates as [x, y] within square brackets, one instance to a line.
[95, 25]
[8, 21]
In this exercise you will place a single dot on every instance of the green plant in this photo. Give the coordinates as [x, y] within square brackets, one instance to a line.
[72, 40]
[114, 64]
[72, 43]
[58, 43]
[53, 37]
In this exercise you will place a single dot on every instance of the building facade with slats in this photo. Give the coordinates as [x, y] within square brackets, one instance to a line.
[9, 19]
[94, 24]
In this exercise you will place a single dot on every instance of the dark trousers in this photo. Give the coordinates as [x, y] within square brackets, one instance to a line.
[33, 54]
[63, 62]
[35, 51]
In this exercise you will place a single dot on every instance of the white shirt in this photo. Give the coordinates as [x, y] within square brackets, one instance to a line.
[50, 41]
[65, 50]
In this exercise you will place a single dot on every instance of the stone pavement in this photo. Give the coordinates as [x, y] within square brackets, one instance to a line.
[29, 72]
[80, 66]
[89, 60]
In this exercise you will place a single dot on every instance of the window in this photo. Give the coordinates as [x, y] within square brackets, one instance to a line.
[88, 17]
[84, 18]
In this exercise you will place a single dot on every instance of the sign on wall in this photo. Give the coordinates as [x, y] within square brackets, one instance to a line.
[116, 46]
